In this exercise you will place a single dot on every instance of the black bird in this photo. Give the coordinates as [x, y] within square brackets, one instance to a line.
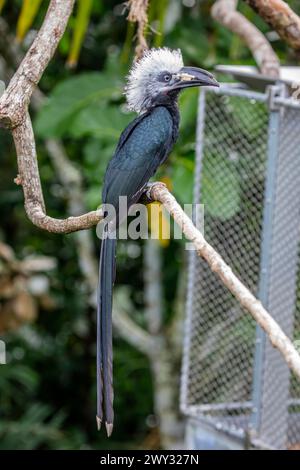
[152, 90]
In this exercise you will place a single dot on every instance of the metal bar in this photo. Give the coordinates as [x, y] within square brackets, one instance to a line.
[287, 102]
[236, 90]
[247, 405]
[231, 90]
[269, 199]
[226, 427]
[225, 406]
[204, 435]
[262, 444]
[268, 413]
[278, 273]
[199, 145]
[294, 402]
[282, 281]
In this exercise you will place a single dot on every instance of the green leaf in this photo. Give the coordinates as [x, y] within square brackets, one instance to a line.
[100, 120]
[248, 115]
[220, 187]
[96, 157]
[27, 16]
[81, 24]
[194, 49]
[183, 179]
[188, 108]
[19, 376]
[69, 98]
[2, 2]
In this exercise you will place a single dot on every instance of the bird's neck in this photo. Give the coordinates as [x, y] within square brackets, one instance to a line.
[172, 107]
[171, 103]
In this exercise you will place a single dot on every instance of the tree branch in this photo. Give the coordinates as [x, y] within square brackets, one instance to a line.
[14, 114]
[224, 11]
[15, 100]
[29, 178]
[280, 17]
[277, 337]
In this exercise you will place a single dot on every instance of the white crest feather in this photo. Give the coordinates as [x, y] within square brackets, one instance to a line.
[150, 65]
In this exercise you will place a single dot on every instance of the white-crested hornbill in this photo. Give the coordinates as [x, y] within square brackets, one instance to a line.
[153, 86]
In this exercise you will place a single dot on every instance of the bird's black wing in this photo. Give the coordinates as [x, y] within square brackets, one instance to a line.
[128, 130]
[137, 158]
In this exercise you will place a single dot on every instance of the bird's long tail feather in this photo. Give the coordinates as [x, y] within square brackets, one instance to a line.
[104, 335]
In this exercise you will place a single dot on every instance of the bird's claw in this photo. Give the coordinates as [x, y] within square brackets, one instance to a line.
[147, 197]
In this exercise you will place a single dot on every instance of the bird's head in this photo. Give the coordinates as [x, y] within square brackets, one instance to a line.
[159, 76]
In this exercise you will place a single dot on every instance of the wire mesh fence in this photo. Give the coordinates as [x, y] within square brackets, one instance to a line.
[248, 178]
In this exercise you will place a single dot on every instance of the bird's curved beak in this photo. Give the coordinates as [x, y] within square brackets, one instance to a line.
[193, 76]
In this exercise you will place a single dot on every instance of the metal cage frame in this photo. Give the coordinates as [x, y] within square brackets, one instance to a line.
[264, 420]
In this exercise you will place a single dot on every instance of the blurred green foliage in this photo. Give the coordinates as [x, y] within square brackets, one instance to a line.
[47, 389]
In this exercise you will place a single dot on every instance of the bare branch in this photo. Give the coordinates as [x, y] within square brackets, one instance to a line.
[14, 102]
[29, 178]
[280, 17]
[277, 337]
[224, 11]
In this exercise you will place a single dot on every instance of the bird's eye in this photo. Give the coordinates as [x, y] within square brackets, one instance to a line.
[167, 77]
